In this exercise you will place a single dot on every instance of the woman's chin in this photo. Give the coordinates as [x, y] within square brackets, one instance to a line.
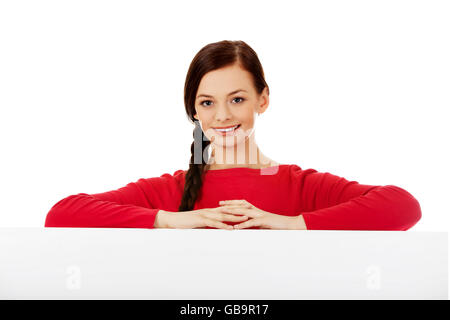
[228, 142]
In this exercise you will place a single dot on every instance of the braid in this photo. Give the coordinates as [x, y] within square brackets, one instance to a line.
[194, 176]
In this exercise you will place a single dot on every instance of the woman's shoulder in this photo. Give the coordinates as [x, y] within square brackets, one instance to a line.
[177, 175]
[296, 169]
[168, 177]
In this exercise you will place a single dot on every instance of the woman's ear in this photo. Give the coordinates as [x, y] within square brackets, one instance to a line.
[196, 116]
[263, 101]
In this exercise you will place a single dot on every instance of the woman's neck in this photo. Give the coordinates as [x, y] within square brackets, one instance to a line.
[248, 156]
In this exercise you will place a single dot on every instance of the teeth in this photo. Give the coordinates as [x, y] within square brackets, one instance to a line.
[227, 130]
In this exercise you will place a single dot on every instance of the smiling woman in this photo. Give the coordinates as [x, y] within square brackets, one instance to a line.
[237, 186]
[225, 89]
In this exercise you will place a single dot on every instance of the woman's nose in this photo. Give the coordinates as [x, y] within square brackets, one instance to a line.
[222, 114]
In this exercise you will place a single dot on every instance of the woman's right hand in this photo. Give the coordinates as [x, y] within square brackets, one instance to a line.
[207, 217]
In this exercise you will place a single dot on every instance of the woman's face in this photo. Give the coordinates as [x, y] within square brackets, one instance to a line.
[225, 98]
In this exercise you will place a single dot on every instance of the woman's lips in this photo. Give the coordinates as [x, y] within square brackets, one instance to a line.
[228, 133]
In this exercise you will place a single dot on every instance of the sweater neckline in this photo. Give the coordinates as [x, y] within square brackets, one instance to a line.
[243, 170]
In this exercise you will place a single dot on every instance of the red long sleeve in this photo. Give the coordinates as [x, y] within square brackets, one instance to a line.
[334, 203]
[132, 206]
[326, 201]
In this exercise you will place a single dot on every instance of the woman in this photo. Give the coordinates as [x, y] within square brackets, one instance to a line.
[237, 187]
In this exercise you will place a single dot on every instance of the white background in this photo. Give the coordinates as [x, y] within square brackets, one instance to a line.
[91, 93]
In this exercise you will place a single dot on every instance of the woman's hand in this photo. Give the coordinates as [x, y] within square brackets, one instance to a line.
[208, 217]
[261, 218]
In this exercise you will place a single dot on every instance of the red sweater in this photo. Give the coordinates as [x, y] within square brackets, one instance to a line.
[326, 201]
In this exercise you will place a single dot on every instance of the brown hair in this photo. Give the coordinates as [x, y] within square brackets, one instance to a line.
[211, 57]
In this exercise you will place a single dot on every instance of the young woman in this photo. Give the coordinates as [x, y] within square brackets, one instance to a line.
[237, 186]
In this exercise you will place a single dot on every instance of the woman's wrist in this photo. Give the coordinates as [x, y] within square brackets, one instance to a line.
[299, 223]
[162, 219]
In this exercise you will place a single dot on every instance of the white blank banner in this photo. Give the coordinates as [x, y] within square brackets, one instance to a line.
[96, 263]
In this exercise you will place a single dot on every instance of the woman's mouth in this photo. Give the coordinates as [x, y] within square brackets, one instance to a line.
[228, 131]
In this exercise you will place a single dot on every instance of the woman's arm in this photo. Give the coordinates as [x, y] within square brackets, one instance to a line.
[135, 205]
[334, 203]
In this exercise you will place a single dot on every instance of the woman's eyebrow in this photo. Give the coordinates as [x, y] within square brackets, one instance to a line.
[208, 96]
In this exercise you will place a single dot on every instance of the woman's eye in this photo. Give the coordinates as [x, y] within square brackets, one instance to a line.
[202, 103]
[242, 99]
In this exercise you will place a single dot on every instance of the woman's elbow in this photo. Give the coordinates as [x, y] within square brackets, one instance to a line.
[54, 217]
[51, 219]
[413, 213]
[405, 210]
[58, 216]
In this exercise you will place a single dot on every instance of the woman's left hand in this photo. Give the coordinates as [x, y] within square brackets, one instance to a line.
[261, 218]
